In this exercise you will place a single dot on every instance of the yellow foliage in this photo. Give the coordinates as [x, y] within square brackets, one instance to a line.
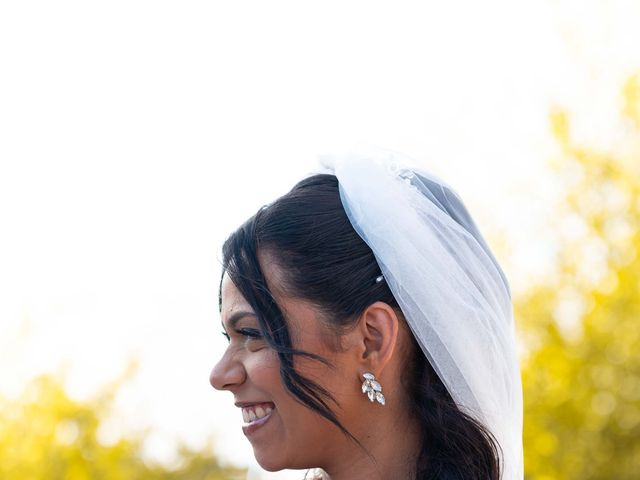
[631, 93]
[46, 435]
[581, 330]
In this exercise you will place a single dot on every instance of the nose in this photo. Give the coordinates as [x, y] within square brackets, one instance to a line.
[227, 373]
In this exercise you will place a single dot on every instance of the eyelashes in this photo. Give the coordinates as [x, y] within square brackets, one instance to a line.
[250, 332]
[244, 332]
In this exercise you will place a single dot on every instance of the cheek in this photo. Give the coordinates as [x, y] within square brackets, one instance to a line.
[340, 379]
[302, 438]
[263, 369]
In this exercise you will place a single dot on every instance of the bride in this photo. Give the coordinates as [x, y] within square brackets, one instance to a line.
[370, 330]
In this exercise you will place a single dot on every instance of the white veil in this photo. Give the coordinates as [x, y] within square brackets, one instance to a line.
[448, 284]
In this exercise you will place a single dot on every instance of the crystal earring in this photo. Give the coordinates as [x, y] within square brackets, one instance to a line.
[372, 388]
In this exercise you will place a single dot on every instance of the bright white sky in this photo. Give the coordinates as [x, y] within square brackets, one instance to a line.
[135, 135]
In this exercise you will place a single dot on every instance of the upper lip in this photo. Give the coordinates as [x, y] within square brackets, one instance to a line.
[248, 404]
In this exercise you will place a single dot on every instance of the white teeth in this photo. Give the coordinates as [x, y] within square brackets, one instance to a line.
[251, 414]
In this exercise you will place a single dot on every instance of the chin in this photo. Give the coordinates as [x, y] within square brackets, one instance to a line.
[270, 463]
[275, 463]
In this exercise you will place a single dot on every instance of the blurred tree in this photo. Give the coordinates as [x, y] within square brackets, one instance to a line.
[581, 329]
[47, 435]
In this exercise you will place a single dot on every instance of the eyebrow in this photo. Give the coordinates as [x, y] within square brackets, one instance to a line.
[237, 316]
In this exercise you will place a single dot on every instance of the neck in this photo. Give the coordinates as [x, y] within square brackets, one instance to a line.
[391, 451]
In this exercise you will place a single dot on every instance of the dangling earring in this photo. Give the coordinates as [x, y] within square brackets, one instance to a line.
[372, 388]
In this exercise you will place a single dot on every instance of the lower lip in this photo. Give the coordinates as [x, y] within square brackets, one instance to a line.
[256, 424]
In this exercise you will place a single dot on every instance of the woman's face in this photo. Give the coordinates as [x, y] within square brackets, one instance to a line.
[285, 433]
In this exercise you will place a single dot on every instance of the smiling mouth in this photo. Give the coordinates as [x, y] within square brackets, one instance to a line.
[255, 416]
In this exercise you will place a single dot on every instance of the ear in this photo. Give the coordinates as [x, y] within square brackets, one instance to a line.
[378, 329]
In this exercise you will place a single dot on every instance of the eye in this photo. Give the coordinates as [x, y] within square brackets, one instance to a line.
[249, 332]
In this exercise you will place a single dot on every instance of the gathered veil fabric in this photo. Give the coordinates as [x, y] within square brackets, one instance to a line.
[451, 289]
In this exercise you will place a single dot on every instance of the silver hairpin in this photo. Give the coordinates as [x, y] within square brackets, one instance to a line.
[379, 278]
